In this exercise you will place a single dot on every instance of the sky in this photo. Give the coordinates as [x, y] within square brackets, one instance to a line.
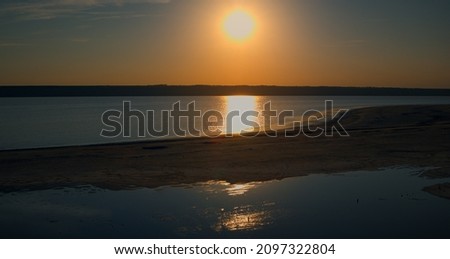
[402, 43]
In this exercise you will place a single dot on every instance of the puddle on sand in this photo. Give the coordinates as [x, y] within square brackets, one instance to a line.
[388, 203]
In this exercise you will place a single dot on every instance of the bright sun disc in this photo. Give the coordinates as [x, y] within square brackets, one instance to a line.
[239, 25]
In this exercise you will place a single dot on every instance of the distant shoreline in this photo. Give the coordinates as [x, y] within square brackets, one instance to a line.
[212, 90]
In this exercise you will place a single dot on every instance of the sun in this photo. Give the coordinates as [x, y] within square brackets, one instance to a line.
[239, 25]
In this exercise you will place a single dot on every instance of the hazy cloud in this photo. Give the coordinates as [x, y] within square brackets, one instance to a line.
[79, 40]
[346, 43]
[50, 9]
[12, 44]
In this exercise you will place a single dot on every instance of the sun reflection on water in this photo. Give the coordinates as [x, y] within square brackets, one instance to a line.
[245, 218]
[241, 104]
[229, 188]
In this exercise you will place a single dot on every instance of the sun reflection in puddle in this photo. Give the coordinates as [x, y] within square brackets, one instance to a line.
[239, 218]
[231, 189]
[247, 217]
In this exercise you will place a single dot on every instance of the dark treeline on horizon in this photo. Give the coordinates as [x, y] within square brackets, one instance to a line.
[207, 90]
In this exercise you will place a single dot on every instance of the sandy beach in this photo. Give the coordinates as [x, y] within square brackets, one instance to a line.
[379, 137]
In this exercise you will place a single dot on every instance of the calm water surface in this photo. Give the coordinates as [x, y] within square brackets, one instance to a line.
[388, 203]
[44, 122]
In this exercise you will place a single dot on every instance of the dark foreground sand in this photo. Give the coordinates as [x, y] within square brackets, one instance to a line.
[380, 137]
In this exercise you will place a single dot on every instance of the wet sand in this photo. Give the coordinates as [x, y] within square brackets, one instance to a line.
[379, 137]
[441, 190]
